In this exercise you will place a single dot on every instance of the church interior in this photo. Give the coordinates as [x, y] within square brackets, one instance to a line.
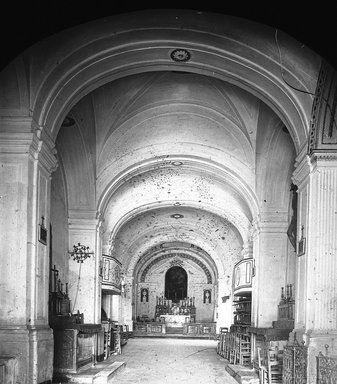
[168, 173]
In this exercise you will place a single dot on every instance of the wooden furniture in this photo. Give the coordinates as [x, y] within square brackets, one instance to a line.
[111, 339]
[275, 365]
[205, 329]
[235, 347]
[74, 347]
[242, 311]
[262, 365]
[244, 350]
[124, 334]
[201, 329]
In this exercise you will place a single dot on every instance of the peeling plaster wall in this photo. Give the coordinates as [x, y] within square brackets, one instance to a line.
[169, 113]
[213, 234]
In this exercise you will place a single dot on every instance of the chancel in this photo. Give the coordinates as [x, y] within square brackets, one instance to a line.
[168, 174]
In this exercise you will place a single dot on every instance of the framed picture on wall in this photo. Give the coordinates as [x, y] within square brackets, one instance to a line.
[301, 247]
[43, 232]
[301, 243]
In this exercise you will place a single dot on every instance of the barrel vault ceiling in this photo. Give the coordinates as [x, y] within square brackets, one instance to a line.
[175, 158]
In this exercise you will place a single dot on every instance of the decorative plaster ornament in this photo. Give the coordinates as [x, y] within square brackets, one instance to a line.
[180, 55]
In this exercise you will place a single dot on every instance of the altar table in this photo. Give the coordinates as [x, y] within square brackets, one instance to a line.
[175, 320]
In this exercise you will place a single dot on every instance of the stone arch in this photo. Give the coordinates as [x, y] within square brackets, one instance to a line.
[174, 255]
[69, 68]
[240, 220]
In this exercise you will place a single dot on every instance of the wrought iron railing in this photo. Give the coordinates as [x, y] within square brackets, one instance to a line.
[326, 369]
[295, 363]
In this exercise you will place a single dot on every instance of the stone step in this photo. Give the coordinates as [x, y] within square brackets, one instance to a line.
[243, 375]
[105, 376]
[101, 374]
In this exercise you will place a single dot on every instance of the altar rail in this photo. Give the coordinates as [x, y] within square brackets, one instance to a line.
[326, 369]
[154, 328]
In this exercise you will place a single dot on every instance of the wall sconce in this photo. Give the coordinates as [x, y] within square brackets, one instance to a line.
[80, 253]
[224, 298]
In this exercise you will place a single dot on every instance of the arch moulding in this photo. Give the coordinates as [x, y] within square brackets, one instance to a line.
[99, 52]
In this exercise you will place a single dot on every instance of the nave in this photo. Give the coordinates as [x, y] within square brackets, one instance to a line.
[170, 361]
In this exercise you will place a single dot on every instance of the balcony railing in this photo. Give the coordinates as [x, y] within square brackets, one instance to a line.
[111, 274]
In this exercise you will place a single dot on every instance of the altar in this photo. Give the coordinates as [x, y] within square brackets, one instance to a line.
[175, 320]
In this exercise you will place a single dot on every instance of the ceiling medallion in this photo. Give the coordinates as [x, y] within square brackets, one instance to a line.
[177, 216]
[180, 55]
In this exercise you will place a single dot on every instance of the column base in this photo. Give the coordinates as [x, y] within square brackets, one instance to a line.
[324, 342]
[33, 350]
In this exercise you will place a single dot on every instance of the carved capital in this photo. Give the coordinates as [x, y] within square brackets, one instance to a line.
[324, 158]
[22, 136]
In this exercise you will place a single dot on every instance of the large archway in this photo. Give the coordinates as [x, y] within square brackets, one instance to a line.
[235, 189]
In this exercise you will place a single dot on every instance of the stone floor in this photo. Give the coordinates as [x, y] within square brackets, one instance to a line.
[156, 361]
[171, 360]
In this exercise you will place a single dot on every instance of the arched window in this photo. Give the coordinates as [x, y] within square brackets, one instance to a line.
[176, 284]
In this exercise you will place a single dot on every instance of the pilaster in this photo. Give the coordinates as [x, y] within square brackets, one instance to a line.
[322, 243]
[316, 285]
[27, 157]
[84, 282]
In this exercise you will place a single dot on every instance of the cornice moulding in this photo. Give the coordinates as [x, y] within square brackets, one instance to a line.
[328, 159]
[16, 142]
[302, 170]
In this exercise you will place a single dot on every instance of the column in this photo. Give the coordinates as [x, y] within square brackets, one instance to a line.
[127, 302]
[84, 282]
[27, 159]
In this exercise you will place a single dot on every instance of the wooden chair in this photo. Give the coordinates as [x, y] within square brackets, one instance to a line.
[232, 348]
[262, 365]
[275, 365]
[244, 350]
[227, 346]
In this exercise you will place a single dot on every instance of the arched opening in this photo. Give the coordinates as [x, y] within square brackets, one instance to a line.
[176, 284]
[227, 130]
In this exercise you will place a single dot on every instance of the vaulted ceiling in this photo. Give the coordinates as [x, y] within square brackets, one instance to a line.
[167, 157]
